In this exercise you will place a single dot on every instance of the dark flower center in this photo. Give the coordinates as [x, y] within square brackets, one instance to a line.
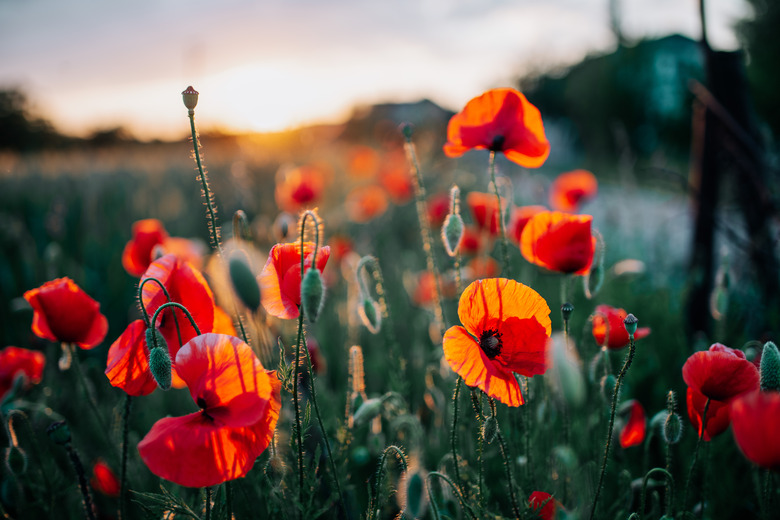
[498, 143]
[202, 405]
[490, 342]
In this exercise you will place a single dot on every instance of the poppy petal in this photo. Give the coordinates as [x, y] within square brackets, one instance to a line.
[633, 433]
[137, 254]
[467, 359]
[128, 362]
[524, 346]
[756, 426]
[15, 361]
[559, 242]
[717, 419]
[720, 375]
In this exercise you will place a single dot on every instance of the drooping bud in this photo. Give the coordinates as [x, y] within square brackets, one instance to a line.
[368, 410]
[16, 460]
[370, 315]
[160, 367]
[59, 432]
[490, 429]
[312, 294]
[630, 323]
[241, 229]
[770, 368]
[566, 310]
[608, 383]
[190, 98]
[244, 281]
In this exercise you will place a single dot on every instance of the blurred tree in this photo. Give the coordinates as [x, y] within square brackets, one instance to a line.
[763, 49]
[19, 129]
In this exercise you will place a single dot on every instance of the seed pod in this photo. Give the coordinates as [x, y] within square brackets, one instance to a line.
[312, 294]
[630, 324]
[160, 367]
[770, 368]
[190, 98]
[566, 310]
[244, 281]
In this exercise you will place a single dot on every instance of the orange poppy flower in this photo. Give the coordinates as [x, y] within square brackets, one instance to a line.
[520, 217]
[484, 209]
[363, 162]
[506, 326]
[239, 405]
[559, 242]
[280, 281]
[500, 120]
[104, 479]
[755, 421]
[149, 236]
[64, 312]
[719, 375]
[16, 362]
[609, 330]
[127, 365]
[299, 188]
[571, 189]
[633, 432]
[365, 203]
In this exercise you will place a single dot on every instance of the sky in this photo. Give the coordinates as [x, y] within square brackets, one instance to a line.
[268, 65]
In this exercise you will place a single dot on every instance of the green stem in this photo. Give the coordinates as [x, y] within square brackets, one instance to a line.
[476, 402]
[167, 297]
[463, 504]
[505, 456]
[695, 454]
[90, 396]
[504, 242]
[373, 503]
[767, 493]
[608, 444]
[296, 401]
[208, 503]
[89, 510]
[454, 433]
[229, 499]
[180, 307]
[123, 464]
[670, 483]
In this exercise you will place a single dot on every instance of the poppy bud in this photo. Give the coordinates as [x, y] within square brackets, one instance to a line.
[282, 226]
[312, 294]
[414, 495]
[672, 429]
[160, 367]
[490, 429]
[370, 315]
[190, 98]
[566, 310]
[630, 324]
[59, 432]
[452, 233]
[368, 410]
[16, 460]
[407, 129]
[244, 282]
[608, 383]
[770, 368]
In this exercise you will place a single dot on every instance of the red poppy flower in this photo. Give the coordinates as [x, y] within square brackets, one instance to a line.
[559, 242]
[423, 289]
[149, 236]
[127, 365]
[484, 209]
[64, 312]
[104, 479]
[363, 162]
[609, 330]
[365, 203]
[280, 281]
[719, 374]
[14, 362]
[538, 498]
[506, 326]
[340, 246]
[438, 207]
[239, 405]
[520, 217]
[571, 189]
[395, 178]
[299, 188]
[755, 421]
[501, 120]
[633, 433]
[471, 242]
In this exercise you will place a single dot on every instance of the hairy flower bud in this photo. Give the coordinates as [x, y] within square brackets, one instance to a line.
[160, 367]
[243, 281]
[672, 428]
[312, 294]
[452, 233]
[490, 429]
[770, 368]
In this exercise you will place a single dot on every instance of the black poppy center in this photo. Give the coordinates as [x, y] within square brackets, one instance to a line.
[490, 342]
[497, 144]
[202, 405]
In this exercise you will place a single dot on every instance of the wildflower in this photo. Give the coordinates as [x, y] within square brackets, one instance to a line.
[299, 188]
[546, 512]
[484, 209]
[363, 162]
[506, 326]
[609, 330]
[64, 312]
[365, 203]
[438, 207]
[280, 281]
[500, 120]
[423, 288]
[471, 243]
[559, 242]
[719, 375]
[239, 405]
[571, 189]
[16, 362]
[104, 479]
[519, 218]
[755, 422]
[150, 239]
[633, 433]
[395, 178]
